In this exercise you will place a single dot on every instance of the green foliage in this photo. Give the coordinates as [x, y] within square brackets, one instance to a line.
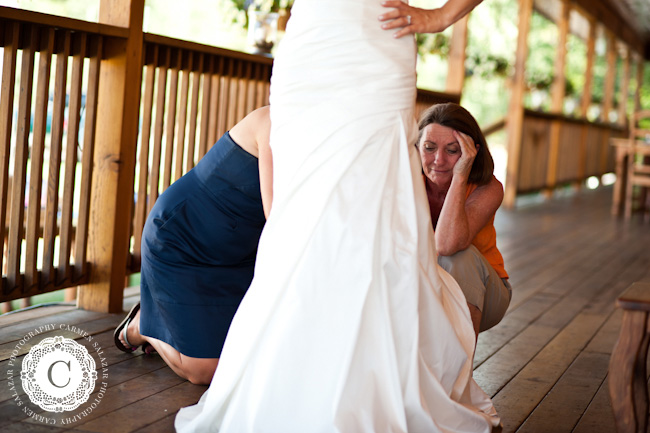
[541, 53]
[263, 5]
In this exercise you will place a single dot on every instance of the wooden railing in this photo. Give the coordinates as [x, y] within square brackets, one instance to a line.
[51, 66]
[192, 94]
[582, 150]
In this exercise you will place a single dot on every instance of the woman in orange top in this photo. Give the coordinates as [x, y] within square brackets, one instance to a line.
[463, 198]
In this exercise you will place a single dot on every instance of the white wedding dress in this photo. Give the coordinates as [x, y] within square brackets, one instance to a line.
[349, 324]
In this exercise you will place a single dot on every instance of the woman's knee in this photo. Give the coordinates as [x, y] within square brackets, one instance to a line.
[199, 371]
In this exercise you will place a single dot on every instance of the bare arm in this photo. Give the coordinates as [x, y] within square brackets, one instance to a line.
[461, 219]
[409, 19]
[266, 170]
[252, 134]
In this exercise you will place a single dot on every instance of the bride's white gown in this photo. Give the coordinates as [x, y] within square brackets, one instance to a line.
[349, 324]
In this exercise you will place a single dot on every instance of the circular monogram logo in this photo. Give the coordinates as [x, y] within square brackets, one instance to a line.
[58, 374]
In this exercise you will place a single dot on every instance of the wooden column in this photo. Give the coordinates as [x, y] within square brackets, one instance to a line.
[516, 107]
[639, 83]
[586, 99]
[589, 70]
[625, 88]
[113, 174]
[608, 98]
[456, 65]
[610, 78]
[557, 96]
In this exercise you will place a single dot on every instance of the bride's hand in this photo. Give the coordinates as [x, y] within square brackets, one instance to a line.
[410, 20]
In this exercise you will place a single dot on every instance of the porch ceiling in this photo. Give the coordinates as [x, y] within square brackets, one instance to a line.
[629, 20]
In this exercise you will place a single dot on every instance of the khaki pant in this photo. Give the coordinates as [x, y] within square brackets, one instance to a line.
[480, 283]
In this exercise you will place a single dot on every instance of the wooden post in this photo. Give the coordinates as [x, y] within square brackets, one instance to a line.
[557, 97]
[610, 77]
[639, 83]
[586, 100]
[516, 107]
[115, 149]
[625, 89]
[608, 98]
[456, 65]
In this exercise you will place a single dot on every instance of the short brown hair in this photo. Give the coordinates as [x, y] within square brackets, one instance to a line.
[456, 117]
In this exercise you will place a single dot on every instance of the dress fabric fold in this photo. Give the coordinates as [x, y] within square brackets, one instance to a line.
[349, 324]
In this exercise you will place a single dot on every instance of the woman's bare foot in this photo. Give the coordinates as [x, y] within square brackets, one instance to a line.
[133, 333]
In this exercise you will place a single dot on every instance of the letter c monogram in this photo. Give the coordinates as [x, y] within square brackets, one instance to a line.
[49, 374]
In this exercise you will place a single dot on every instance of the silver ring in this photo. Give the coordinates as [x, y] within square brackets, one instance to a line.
[408, 19]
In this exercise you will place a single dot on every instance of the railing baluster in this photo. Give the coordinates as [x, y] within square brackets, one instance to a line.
[74, 113]
[182, 115]
[215, 91]
[194, 110]
[81, 267]
[161, 90]
[12, 33]
[36, 172]
[16, 223]
[52, 206]
[171, 120]
[205, 107]
[141, 206]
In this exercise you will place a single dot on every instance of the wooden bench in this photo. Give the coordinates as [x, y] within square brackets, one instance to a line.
[627, 368]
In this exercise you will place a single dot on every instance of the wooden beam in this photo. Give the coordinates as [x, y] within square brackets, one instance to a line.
[557, 95]
[456, 62]
[516, 107]
[113, 176]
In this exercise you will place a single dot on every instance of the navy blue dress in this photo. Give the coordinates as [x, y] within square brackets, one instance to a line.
[198, 251]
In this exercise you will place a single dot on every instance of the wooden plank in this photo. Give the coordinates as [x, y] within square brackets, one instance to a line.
[562, 407]
[636, 297]
[147, 411]
[514, 356]
[517, 399]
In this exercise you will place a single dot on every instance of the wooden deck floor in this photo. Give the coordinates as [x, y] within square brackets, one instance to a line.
[545, 364]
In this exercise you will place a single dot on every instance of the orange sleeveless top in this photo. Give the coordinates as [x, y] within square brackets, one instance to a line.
[486, 242]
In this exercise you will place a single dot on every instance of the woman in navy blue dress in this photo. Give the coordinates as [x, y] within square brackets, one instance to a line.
[198, 252]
